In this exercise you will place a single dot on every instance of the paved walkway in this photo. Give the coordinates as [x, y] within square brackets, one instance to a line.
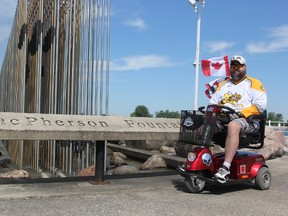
[160, 195]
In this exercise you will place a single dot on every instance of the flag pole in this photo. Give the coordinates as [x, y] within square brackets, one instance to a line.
[197, 57]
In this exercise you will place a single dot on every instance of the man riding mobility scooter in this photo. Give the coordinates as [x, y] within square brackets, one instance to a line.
[204, 129]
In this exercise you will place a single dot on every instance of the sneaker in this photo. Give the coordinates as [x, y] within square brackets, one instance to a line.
[222, 175]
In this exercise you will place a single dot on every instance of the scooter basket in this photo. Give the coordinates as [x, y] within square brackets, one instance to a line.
[190, 126]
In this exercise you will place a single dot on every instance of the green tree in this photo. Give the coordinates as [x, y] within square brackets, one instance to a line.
[167, 114]
[141, 111]
[275, 117]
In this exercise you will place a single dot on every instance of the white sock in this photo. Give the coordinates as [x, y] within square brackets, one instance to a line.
[228, 165]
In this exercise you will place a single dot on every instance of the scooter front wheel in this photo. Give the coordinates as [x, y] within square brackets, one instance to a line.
[193, 184]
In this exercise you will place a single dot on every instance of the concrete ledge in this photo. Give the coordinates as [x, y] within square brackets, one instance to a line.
[34, 126]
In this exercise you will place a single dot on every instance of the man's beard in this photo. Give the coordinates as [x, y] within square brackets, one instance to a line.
[238, 76]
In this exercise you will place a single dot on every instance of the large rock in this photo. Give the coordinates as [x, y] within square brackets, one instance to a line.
[274, 144]
[118, 159]
[167, 150]
[88, 171]
[154, 161]
[126, 169]
[20, 174]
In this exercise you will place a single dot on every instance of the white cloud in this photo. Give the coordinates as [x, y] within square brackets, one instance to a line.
[140, 62]
[139, 23]
[278, 42]
[215, 46]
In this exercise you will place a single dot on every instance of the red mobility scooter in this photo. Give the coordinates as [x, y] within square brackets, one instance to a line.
[199, 128]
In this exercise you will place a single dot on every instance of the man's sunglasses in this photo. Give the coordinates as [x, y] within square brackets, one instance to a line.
[236, 66]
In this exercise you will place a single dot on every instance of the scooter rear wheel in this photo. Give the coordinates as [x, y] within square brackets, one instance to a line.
[194, 185]
[263, 179]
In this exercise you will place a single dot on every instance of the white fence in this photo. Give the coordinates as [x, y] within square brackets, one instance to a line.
[281, 125]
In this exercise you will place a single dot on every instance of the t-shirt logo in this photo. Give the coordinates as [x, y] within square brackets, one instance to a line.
[232, 99]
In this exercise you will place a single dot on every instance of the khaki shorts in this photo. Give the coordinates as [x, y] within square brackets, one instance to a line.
[247, 127]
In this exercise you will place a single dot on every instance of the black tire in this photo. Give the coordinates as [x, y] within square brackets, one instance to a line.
[194, 185]
[263, 179]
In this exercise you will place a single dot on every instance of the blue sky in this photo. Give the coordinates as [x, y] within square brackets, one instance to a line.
[153, 45]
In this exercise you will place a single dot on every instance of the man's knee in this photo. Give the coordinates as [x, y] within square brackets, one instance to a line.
[234, 127]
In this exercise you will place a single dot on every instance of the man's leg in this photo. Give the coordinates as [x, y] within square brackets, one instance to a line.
[231, 146]
[232, 141]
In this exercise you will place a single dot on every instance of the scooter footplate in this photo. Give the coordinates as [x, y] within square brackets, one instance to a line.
[228, 182]
[212, 180]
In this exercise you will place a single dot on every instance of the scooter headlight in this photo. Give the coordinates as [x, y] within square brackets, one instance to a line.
[191, 157]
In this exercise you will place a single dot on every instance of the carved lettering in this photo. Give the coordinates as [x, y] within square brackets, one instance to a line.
[70, 122]
[46, 121]
[15, 121]
[41, 122]
[175, 125]
[103, 124]
[129, 122]
[92, 123]
[31, 120]
[59, 122]
[142, 125]
[160, 125]
[81, 123]
[167, 125]
[151, 125]
[2, 121]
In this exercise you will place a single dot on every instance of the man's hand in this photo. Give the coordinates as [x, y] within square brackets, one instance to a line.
[235, 115]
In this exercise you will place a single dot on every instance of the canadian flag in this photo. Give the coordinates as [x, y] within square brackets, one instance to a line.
[213, 85]
[217, 66]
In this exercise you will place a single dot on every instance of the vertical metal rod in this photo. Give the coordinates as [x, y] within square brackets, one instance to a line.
[102, 56]
[97, 58]
[65, 77]
[108, 59]
[94, 159]
[99, 167]
[66, 155]
[70, 157]
[89, 72]
[54, 158]
[38, 82]
[82, 60]
[69, 49]
[52, 64]
[73, 62]
[87, 154]
[82, 157]
[56, 57]
[39, 61]
[21, 150]
[93, 59]
[56, 74]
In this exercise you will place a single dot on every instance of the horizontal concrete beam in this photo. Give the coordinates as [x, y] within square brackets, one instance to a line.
[173, 161]
[34, 126]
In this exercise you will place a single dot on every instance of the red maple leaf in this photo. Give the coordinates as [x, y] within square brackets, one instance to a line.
[216, 65]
